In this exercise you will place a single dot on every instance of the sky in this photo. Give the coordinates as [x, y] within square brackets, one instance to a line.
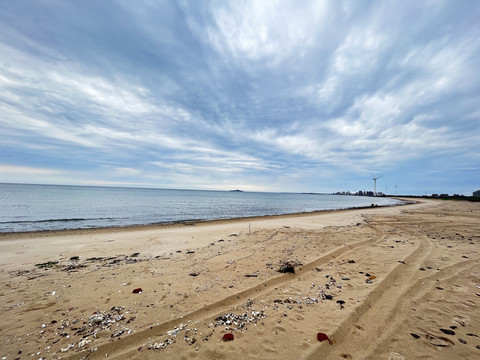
[294, 96]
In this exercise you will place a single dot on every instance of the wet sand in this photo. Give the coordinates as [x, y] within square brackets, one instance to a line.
[382, 283]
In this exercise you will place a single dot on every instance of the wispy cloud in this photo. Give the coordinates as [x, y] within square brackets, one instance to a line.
[24, 170]
[277, 95]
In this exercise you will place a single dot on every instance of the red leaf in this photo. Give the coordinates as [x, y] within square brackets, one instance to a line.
[227, 337]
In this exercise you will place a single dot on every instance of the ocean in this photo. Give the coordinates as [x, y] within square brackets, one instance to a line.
[55, 207]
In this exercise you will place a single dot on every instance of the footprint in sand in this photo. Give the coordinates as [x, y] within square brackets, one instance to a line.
[461, 320]
[395, 356]
[439, 340]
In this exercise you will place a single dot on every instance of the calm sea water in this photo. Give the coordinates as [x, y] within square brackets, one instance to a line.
[53, 207]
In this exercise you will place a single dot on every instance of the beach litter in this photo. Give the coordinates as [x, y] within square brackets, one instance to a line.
[324, 337]
[137, 291]
[227, 337]
[288, 267]
[46, 265]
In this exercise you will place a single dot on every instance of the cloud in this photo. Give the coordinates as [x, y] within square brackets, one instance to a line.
[272, 95]
[269, 31]
[24, 170]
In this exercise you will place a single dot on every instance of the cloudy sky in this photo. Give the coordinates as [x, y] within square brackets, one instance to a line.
[297, 96]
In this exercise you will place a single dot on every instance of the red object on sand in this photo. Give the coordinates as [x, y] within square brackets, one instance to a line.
[137, 291]
[227, 337]
[322, 337]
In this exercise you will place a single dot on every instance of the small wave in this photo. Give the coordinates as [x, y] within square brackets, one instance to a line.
[52, 220]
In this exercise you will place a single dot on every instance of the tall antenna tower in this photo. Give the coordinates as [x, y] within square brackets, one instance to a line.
[375, 183]
[396, 187]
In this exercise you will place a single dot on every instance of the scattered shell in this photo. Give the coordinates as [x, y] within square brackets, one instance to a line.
[84, 342]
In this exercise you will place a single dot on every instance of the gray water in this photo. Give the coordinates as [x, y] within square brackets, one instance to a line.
[54, 207]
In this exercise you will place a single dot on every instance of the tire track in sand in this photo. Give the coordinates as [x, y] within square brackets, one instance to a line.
[378, 316]
[130, 343]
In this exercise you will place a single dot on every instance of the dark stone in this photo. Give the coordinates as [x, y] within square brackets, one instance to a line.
[471, 334]
[453, 327]
[416, 336]
[401, 261]
[422, 269]
[351, 261]
[462, 341]
[448, 331]
[328, 297]
[248, 275]
[194, 274]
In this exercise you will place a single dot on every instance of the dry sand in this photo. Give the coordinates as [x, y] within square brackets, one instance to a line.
[421, 262]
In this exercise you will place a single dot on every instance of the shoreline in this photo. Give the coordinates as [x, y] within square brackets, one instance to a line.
[380, 282]
[69, 231]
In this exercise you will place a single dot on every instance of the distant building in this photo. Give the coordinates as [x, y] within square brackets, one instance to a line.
[435, 195]
[476, 193]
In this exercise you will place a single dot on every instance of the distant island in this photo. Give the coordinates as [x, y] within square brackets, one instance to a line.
[236, 190]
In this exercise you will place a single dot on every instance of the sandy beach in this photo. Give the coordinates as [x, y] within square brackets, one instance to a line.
[381, 283]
